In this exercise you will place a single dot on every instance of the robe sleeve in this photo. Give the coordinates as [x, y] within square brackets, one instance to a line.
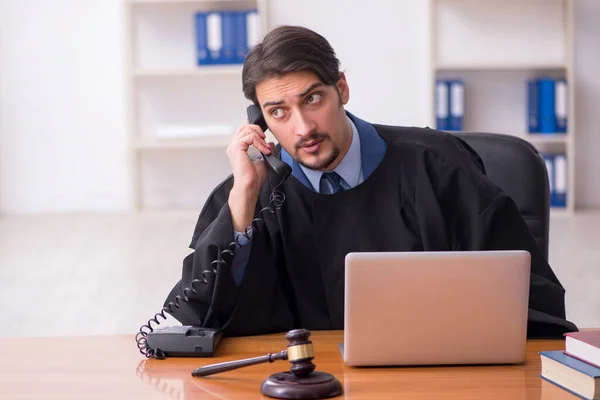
[478, 215]
[257, 306]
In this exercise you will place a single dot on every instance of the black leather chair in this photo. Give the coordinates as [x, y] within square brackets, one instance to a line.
[517, 167]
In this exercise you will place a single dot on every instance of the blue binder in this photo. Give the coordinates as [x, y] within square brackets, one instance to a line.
[549, 160]
[202, 54]
[241, 36]
[253, 28]
[247, 33]
[547, 119]
[225, 37]
[229, 22]
[561, 106]
[457, 104]
[442, 105]
[214, 34]
[532, 106]
[560, 180]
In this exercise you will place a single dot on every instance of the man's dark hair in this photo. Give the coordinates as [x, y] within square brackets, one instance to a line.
[288, 49]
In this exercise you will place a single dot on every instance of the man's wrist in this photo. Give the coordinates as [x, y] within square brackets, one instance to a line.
[241, 205]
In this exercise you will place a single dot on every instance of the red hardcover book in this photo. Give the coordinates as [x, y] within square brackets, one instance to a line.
[584, 345]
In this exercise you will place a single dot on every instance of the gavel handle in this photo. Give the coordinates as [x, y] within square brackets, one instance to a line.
[229, 365]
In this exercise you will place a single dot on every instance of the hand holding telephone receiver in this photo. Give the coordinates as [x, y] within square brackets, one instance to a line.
[256, 117]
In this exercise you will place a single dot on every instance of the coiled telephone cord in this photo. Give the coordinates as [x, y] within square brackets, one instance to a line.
[276, 200]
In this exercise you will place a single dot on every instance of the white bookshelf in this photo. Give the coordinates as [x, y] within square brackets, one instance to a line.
[494, 46]
[167, 90]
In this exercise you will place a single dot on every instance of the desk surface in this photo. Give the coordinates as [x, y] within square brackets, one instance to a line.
[110, 367]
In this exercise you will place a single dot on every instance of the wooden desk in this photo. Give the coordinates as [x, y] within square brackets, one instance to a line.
[111, 367]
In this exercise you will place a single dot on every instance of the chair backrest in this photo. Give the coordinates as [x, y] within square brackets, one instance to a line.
[517, 167]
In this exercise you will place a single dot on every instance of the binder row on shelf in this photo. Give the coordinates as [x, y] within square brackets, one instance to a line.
[225, 37]
[556, 164]
[449, 104]
[547, 105]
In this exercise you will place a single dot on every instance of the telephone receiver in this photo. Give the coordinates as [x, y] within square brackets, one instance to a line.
[256, 117]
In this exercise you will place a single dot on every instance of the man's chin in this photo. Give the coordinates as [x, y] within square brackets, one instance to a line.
[318, 164]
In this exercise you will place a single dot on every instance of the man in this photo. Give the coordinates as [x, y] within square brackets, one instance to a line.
[354, 187]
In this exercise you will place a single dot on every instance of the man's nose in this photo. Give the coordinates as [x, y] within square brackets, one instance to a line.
[303, 125]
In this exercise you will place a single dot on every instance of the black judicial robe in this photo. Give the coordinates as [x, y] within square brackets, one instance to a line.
[428, 194]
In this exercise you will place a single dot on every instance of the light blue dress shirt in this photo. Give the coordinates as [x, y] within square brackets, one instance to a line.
[350, 168]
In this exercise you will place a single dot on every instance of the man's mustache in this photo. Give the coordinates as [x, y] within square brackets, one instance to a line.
[312, 137]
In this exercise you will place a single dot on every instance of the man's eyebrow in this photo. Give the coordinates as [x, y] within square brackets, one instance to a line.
[304, 93]
[272, 103]
[310, 88]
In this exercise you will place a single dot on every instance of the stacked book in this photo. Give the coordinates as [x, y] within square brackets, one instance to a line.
[577, 368]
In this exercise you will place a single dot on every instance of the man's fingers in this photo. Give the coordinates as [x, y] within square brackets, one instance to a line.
[249, 129]
[261, 145]
[252, 139]
[257, 129]
[250, 136]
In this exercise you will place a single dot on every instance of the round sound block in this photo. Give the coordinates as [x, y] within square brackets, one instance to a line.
[316, 385]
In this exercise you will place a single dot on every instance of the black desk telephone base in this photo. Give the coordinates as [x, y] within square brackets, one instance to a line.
[184, 341]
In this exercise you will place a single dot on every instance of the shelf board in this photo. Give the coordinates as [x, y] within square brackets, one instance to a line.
[179, 1]
[560, 212]
[208, 70]
[499, 67]
[196, 143]
[542, 138]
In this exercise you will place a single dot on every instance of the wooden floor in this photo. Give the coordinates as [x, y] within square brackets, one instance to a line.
[108, 274]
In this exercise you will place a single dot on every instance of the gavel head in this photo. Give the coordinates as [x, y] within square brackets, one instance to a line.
[300, 352]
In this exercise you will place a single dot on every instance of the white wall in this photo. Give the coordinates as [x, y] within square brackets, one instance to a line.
[63, 135]
[62, 101]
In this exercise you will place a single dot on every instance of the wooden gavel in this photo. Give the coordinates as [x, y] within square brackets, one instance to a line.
[302, 382]
[299, 352]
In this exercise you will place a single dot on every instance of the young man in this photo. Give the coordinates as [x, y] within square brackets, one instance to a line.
[354, 187]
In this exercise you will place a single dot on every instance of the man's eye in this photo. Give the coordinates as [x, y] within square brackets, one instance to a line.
[313, 98]
[277, 113]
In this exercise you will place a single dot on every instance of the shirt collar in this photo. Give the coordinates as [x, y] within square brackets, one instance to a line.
[349, 168]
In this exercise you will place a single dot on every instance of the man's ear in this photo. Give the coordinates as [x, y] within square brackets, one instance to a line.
[343, 88]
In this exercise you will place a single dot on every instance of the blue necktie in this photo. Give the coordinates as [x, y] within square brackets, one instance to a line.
[334, 180]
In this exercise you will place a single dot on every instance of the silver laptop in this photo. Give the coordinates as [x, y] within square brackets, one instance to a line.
[434, 308]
